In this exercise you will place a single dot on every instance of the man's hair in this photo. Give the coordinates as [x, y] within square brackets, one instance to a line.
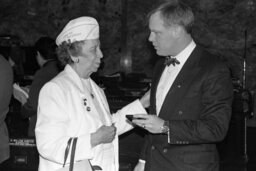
[46, 47]
[175, 13]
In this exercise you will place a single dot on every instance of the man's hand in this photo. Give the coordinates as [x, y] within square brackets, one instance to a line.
[105, 134]
[152, 123]
[139, 167]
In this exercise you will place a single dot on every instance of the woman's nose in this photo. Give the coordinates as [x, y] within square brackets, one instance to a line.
[100, 54]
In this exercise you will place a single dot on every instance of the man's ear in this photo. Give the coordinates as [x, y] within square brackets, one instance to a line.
[177, 31]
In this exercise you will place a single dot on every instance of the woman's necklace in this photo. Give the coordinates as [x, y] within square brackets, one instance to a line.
[88, 86]
[92, 95]
[91, 90]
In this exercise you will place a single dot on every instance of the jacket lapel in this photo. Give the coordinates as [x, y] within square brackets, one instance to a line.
[84, 95]
[74, 78]
[158, 72]
[181, 84]
[99, 95]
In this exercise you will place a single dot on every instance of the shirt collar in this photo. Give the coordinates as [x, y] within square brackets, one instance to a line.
[185, 53]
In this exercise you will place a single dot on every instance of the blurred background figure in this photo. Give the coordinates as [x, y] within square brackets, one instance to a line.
[6, 76]
[16, 59]
[49, 68]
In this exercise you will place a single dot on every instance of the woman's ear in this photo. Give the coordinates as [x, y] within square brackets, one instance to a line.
[75, 59]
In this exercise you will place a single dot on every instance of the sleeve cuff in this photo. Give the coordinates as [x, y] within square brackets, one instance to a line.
[142, 161]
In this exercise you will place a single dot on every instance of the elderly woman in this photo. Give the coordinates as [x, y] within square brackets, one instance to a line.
[72, 105]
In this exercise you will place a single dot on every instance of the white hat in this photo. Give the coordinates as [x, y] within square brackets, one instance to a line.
[82, 28]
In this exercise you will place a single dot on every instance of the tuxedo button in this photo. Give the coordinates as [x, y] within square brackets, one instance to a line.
[180, 112]
[165, 150]
[153, 147]
[179, 86]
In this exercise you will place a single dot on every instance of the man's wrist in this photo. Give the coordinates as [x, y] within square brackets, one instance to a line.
[165, 128]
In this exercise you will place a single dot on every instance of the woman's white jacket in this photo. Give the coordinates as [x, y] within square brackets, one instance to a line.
[63, 113]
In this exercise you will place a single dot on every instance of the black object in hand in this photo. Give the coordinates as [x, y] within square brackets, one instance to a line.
[96, 168]
[129, 117]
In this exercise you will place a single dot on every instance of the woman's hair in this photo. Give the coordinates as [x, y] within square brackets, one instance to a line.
[66, 49]
[46, 47]
[175, 13]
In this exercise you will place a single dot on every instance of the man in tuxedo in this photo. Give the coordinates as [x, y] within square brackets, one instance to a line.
[190, 101]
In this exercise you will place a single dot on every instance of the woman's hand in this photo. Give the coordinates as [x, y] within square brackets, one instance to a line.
[105, 134]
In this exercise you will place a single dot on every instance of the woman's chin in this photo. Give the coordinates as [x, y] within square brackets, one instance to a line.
[95, 69]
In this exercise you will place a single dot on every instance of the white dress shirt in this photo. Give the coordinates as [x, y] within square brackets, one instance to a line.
[169, 75]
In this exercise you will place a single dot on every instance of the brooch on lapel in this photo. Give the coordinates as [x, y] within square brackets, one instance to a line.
[85, 104]
[85, 100]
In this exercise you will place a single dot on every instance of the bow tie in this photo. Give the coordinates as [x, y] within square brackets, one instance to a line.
[171, 60]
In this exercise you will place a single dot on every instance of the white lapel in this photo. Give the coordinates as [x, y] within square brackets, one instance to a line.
[102, 101]
[75, 78]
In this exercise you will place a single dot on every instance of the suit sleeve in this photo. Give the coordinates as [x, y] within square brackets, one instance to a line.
[215, 113]
[30, 107]
[143, 152]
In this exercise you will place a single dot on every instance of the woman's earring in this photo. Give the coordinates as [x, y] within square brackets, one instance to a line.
[77, 60]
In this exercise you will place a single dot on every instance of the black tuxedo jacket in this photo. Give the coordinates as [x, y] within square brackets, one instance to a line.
[198, 107]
